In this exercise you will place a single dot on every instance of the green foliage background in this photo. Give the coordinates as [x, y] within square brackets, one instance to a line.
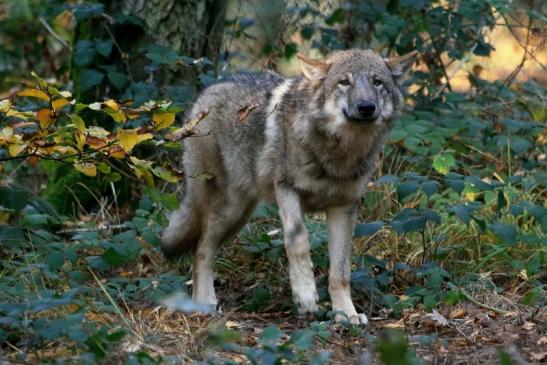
[459, 201]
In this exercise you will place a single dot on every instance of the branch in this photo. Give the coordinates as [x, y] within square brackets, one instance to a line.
[475, 301]
[54, 34]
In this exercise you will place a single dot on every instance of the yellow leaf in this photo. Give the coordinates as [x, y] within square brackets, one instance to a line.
[116, 152]
[5, 105]
[65, 94]
[113, 109]
[59, 103]
[112, 104]
[86, 168]
[144, 174]
[162, 120]
[78, 122]
[35, 93]
[80, 140]
[127, 138]
[141, 163]
[16, 149]
[21, 115]
[144, 137]
[45, 118]
[5, 135]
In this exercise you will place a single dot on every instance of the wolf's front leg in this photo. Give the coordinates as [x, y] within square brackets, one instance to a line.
[340, 226]
[298, 249]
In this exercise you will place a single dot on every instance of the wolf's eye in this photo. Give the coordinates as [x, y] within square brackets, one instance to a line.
[344, 82]
[377, 82]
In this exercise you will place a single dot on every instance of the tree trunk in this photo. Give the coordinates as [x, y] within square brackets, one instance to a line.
[192, 28]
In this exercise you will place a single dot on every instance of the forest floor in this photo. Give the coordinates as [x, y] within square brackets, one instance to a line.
[465, 333]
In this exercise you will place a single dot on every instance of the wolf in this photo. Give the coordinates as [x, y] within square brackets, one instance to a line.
[309, 143]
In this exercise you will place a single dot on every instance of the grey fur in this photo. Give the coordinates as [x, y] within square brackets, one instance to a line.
[309, 143]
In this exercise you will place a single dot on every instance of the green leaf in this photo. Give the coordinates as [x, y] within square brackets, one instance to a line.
[505, 359]
[430, 187]
[452, 297]
[14, 198]
[368, 229]
[104, 48]
[117, 79]
[116, 335]
[169, 201]
[507, 233]
[90, 78]
[270, 334]
[442, 163]
[34, 220]
[55, 260]
[533, 296]
[113, 258]
[336, 17]
[406, 188]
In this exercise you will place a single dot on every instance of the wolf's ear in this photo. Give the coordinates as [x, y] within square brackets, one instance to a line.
[399, 66]
[314, 70]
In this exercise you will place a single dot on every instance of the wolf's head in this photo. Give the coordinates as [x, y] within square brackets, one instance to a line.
[358, 86]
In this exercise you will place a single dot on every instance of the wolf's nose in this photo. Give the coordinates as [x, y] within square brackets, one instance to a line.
[366, 108]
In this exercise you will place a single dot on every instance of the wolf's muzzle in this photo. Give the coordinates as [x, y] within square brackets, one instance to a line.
[363, 111]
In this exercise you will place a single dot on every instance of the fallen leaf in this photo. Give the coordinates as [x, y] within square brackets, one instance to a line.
[538, 356]
[399, 324]
[528, 325]
[457, 313]
[437, 317]
[244, 112]
[542, 340]
[187, 129]
[232, 324]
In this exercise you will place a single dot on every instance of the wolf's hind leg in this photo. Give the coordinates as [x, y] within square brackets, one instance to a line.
[340, 226]
[226, 210]
[298, 249]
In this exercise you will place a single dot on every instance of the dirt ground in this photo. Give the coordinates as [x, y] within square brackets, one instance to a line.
[462, 334]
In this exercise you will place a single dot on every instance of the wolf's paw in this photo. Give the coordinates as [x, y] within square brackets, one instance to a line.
[355, 319]
[306, 303]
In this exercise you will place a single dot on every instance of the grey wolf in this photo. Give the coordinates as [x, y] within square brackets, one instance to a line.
[309, 143]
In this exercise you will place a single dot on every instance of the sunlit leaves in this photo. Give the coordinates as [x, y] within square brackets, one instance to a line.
[162, 120]
[127, 138]
[86, 168]
[53, 128]
[35, 93]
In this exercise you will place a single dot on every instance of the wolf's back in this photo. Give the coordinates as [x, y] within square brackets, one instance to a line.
[226, 151]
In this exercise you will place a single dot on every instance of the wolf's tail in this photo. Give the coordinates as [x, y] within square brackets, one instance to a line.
[184, 230]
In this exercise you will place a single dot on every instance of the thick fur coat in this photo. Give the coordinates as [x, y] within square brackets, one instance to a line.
[308, 143]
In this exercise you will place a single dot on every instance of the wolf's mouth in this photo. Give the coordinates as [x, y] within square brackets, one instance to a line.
[358, 119]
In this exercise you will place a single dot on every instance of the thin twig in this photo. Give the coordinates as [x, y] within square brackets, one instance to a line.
[54, 34]
[475, 301]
